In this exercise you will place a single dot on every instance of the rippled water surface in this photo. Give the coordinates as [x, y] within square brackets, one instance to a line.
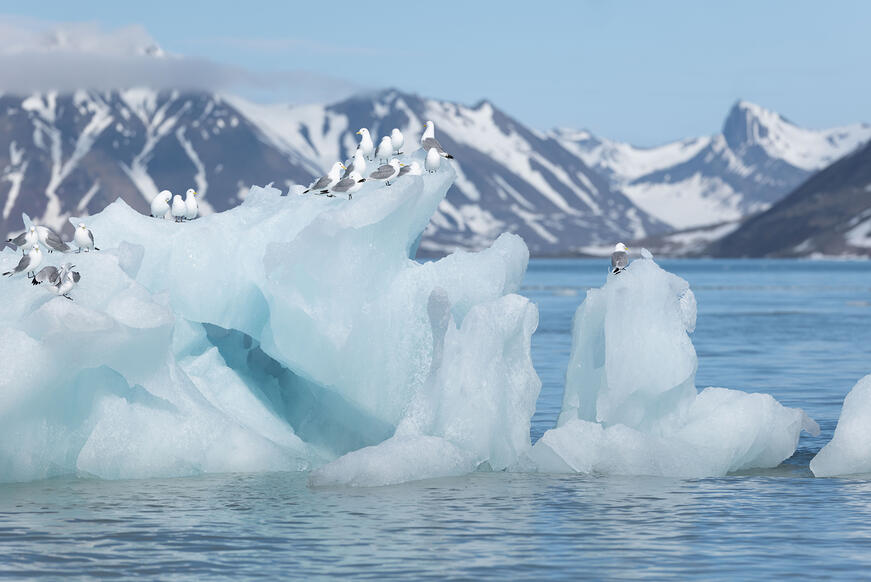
[798, 330]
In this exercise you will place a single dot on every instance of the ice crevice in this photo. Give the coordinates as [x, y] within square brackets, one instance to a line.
[294, 333]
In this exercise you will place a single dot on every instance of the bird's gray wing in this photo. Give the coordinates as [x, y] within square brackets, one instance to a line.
[19, 240]
[46, 274]
[404, 170]
[23, 264]
[432, 143]
[343, 185]
[91, 236]
[322, 182]
[619, 259]
[76, 276]
[382, 172]
[53, 240]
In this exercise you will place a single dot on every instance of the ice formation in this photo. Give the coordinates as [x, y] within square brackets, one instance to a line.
[630, 404]
[279, 335]
[849, 451]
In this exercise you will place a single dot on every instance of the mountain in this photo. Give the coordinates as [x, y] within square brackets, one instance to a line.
[510, 178]
[63, 155]
[758, 158]
[828, 215]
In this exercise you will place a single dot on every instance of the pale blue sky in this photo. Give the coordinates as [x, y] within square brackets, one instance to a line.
[643, 72]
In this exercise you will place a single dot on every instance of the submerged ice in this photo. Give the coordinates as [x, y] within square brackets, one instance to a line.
[630, 404]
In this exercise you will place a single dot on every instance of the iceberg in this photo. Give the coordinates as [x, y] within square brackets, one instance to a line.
[630, 404]
[289, 333]
[849, 451]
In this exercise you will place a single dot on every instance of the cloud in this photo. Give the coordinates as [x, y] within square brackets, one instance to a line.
[41, 56]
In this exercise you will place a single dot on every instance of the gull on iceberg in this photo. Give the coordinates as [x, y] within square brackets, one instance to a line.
[385, 150]
[357, 164]
[387, 171]
[433, 160]
[366, 144]
[397, 139]
[190, 203]
[412, 169]
[160, 204]
[428, 141]
[347, 186]
[619, 258]
[179, 208]
[28, 262]
[327, 181]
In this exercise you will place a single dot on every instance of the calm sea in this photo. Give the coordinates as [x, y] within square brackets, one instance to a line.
[798, 330]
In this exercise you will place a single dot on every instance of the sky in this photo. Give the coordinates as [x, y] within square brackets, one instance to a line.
[638, 71]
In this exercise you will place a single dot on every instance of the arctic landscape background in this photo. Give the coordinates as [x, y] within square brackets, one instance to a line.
[138, 119]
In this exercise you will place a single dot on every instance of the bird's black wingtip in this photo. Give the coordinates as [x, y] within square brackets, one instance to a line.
[449, 156]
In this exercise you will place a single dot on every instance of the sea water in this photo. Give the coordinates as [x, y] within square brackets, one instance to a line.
[799, 330]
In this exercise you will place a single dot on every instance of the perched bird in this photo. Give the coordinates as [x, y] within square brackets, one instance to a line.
[327, 181]
[160, 204]
[387, 171]
[347, 185]
[191, 205]
[26, 239]
[366, 144]
[179, 208]
[48, 275]
[412, 169]
[358, 164]
[428, 141]
[619, 258]
[385, 150]
[66, 280]
[51, 240]
[84, 238]
[397, 139]
[433, 160]
[28, 262]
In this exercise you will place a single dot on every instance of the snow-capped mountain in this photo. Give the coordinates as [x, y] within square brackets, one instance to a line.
[510, 178]
[757, 159]
[70, 155]
[828, 215]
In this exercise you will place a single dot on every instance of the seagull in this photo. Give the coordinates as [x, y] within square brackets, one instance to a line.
[329, 180]
[179, 208]
[26, 239]
[366, 143]
[412, 169]
[191, 205]
[160, 204]
[84, 238]
[397, 139]
[428, 141]
[387, 171]
[358, 164]
[50, 274]
[385, 150]
[67, 279]
[619, 258]
[433, 160]
[347, 185]
[28, 262]
[51, 239]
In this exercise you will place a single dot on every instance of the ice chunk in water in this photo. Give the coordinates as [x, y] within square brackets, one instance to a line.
[849, 451]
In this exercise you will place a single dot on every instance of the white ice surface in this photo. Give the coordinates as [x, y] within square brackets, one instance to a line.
[849, 451]
[630, 404]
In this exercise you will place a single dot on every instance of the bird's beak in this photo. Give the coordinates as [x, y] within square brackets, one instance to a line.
[401, 164]
[358, 133]
[343, 166]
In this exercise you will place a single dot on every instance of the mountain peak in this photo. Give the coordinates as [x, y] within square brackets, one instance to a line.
[750, 124]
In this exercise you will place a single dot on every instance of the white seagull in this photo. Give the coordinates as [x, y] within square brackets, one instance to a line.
[160, 204]
[347, 185]
[397, 139]
[358, 164]
[387, 171]
[179, 208]
[428, 141]
[28, 262]
[83, 237]
[67, 279]
[191, 205]
[51, 239]
[619, 258]
[412, 169]
[26, 239]
[384, 151]
[433, 160]
[329, 180]
[366, 143]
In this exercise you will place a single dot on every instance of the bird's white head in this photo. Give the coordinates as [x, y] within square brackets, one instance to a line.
[395, 131]
[620, 247]
[32, 228]
[36, 248]
[191, 192]
[385, 139]
[82, 226]
[363, 131]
